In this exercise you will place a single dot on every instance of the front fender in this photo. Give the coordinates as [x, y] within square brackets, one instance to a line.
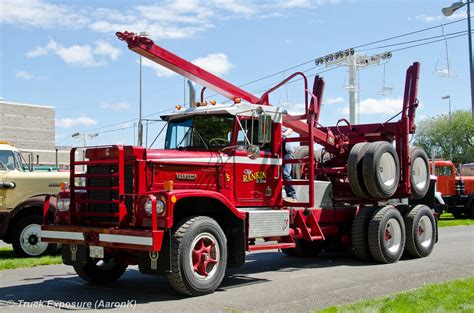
[174, 197]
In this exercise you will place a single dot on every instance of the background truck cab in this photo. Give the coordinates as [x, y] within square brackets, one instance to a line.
[22, 195]
[457, 191]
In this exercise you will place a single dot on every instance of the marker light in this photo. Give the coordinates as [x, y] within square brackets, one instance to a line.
[213, 102]
[204, 103]
[196, 104]
[178, 107]
[237, 100]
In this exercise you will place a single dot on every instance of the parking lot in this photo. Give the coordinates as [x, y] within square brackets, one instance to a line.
[270, 281]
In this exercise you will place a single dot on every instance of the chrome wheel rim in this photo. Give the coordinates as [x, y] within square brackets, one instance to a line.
[30, 240]
[393, 235]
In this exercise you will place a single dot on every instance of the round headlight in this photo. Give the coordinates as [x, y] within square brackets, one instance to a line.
[148, 207]
[160, 206]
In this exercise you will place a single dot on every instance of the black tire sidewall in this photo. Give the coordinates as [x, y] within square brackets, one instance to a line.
[19, 226]
[355, 169]
[422, 211]
[205, 225]
[392, 214]
[371, 165]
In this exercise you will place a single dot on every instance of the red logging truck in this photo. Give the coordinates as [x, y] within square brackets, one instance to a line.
[214, 192]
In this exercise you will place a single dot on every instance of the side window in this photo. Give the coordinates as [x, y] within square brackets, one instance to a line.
[443, 171]
[249, 131]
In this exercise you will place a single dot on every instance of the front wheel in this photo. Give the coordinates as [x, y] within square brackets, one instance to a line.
[27, 238]
[198, 256]
[100, 272]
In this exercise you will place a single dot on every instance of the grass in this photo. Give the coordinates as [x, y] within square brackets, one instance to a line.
[453, 296]
[9, 261]
[447, 219]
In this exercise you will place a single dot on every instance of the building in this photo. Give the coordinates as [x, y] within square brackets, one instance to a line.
[31, 128]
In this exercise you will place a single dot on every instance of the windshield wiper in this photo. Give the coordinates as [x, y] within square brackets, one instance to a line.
[184, 137]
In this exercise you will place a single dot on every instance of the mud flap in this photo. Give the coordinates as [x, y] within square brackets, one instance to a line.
[156, 263]
[74, 254]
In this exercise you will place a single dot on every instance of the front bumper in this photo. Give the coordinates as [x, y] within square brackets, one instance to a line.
[129, 239]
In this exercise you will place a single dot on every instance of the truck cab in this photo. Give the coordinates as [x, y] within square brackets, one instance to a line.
[457, 191]
[22, 194]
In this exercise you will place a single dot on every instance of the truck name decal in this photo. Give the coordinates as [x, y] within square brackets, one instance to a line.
[258, 177]
[186, 176]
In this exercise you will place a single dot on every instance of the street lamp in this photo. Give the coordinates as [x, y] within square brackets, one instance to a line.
[140, 125]
[449, 11]
[448, 97]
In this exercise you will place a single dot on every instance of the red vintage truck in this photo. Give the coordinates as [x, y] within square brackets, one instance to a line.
[214, 193]
[457, 191]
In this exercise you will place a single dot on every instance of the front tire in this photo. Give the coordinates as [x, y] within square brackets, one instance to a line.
[198, 256]
[420, 231]
[100, 272]
[386, 235]
[27, 238]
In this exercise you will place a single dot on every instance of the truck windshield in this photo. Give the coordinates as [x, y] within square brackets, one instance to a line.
[200, 132]
[10, 160]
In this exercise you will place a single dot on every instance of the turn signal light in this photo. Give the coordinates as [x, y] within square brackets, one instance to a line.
[168, 185]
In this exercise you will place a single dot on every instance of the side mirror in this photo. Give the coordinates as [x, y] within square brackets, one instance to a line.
[253, 152]
[264, 128]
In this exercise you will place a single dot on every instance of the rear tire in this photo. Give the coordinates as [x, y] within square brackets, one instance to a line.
[419, 173]
[386, 235]
[27, 238]
[420, 231]
[360, 226]
[198, 256]
[355, 169]
[100, 272]
[381, 169]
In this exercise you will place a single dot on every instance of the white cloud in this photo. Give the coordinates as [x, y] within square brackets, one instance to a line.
[42, 14]
[387, 106]
[437, 18]
[160, 71]
[73, 122]
[334, 100]
[24, 75]
[106, 49]
[82, 55]
[216, 63]
[165, 20]
[118, 106]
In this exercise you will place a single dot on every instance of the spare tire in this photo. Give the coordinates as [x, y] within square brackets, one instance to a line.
[355, 170]
[419, 173]
[381, 169]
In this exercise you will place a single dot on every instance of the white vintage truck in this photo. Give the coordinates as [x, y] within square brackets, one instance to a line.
[22, 194]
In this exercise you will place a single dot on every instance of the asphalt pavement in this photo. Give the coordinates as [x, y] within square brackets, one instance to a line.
[269, 282]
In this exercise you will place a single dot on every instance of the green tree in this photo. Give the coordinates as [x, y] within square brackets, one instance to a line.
[436, 133]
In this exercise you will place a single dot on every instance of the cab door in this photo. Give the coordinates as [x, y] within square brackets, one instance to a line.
[257, 178]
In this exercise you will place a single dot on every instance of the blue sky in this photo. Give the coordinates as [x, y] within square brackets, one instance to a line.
[65, 54]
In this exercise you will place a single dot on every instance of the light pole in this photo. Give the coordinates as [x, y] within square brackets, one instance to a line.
[449, 11]
[448, 97]
[140, 125]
